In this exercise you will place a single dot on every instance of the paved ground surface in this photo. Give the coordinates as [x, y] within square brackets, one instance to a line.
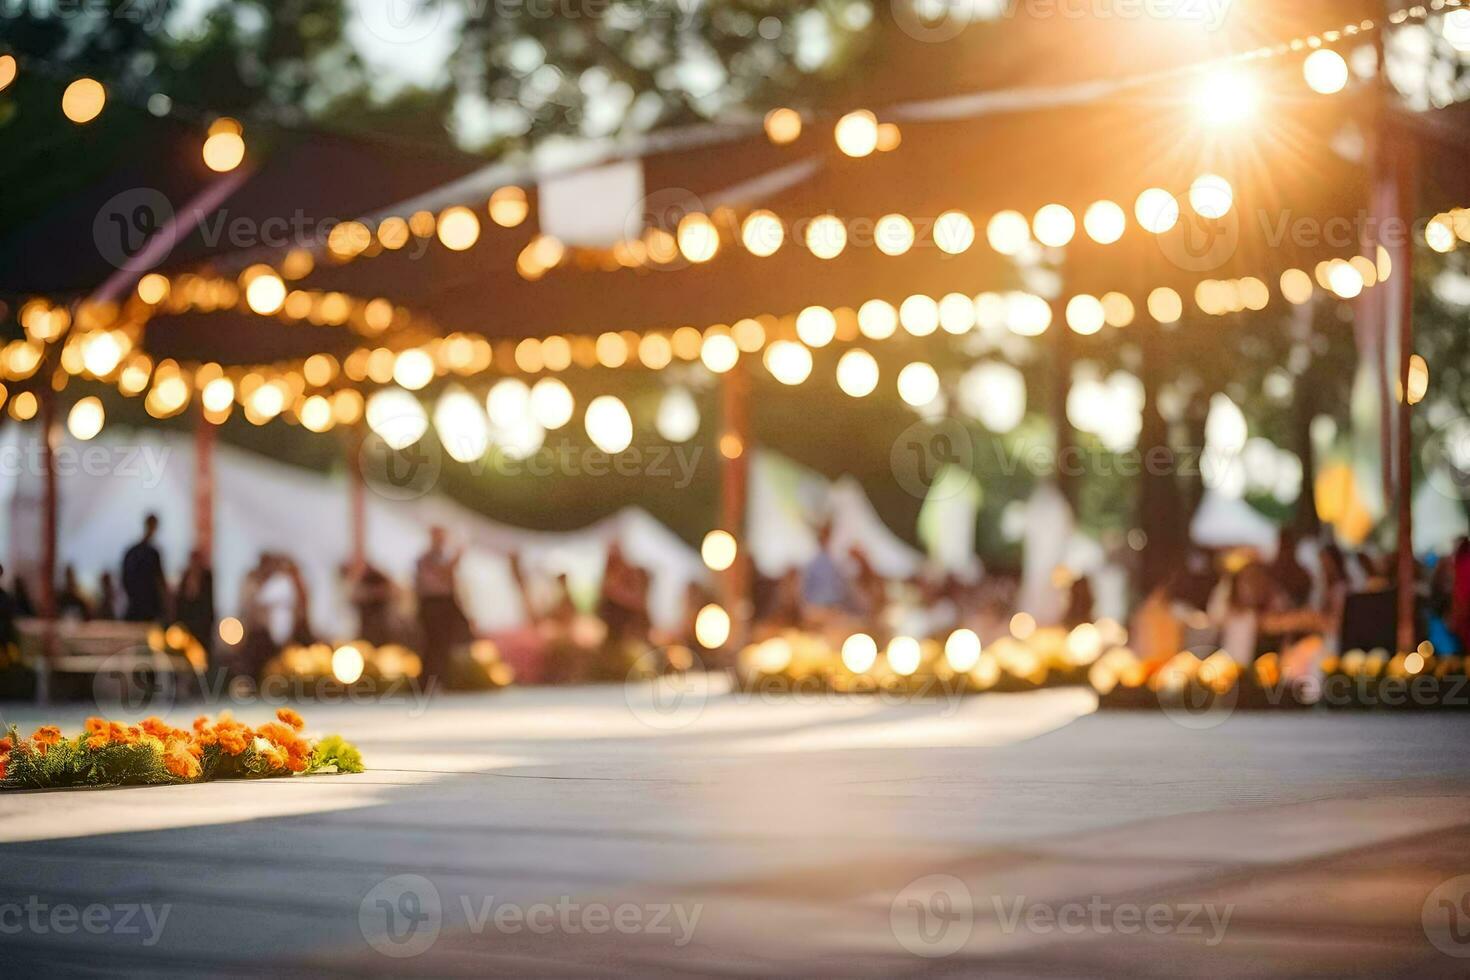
[611, 832]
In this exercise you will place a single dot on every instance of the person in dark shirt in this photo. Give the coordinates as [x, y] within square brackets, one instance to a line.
[142, 577]
[8, 611]
[69, 599]
[195, 599]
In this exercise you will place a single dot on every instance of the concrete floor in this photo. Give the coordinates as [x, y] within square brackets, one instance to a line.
[646, 831]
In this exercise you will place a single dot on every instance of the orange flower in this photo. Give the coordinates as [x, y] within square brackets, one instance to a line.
[291, 718]
[45, 735]
[94, 726]
[4, 765]
[179, 761]
[234, 740]
[157, 727]
[98, 740]
[201, 723]
[5, 746]
[274, 756]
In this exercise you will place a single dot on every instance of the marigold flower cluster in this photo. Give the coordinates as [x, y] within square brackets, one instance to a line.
[153, 751]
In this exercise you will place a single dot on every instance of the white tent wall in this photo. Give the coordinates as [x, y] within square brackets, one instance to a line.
[262, 505]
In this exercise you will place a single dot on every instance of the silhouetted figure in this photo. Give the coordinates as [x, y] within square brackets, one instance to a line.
[142, 577]
[371, 594]
[8, 634]
[70, 603]
[196, 599]
[107, 600]
[24, 607]
[1294, 581]
[824, 589]
[441, 620]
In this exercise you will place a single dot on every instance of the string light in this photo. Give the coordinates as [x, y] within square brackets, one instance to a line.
[1085, 315]
[789, 362]
[877, 320]
[718, 550]
[85, 419]
[783, 126]
[1157, 210]
[893, 234]
[1211, 196]
[857, 133]
[816, 326]
[918, 384]
[857, 373]
[762, 234]
[698, 237]
[1104, 222]
[1325, 71]
[83, 100]
[954, 233]
[608, 424]
[1008, 232]
[1054, 225]
[459, 229]
[826, 236]
[224, 148]
[508, 207]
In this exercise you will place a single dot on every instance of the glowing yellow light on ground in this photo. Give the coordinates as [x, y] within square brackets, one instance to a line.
[83, 100]
[783, 126]
[1008, 232]
[1226, 97]
[718, 550]
[459, 229]
[1211, 196]
[266, 294]
[698, 237]
[859, 653]
[904, 654]
[413, 369]
[508, 206]
[608, 424]
[919, 315]
[719, 353]
[826, 236]
[893, 234]
[877, 320]
[1156, 210]
[954, 232]
[1054, 225]
[857, 133]
[224, 150]
[918, 384]
[347, 664]
[1104, 222]
[857, 373]
[789, 362]
[1085, 314]
[85, 419]
[962, 650]
[712, 627]
[1165, 306]
[816, 326]
[762, 233]
[1325, 71]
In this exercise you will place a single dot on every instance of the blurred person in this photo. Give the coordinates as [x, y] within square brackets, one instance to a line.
[195, 601]
[825, 593]
[1291, 579]
[1240, 615]
[70, 602]
[142, 577]
[1080, 602]
[9, 636]
[1156, 633]
[371, 594]
[107, 597]
[1459, 615]
[442, 622]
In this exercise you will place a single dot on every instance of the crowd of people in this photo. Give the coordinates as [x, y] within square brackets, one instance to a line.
[1229, 599]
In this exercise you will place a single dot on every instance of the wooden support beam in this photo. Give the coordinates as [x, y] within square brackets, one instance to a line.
[735, 447]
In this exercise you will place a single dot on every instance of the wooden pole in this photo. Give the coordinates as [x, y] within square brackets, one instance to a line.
[735, 448]
[1401, 298]
[357, 497]
[1068, 462]
[49, 434]
[204, 439]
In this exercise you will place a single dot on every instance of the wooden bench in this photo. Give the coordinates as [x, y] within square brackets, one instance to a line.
[92, 648]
